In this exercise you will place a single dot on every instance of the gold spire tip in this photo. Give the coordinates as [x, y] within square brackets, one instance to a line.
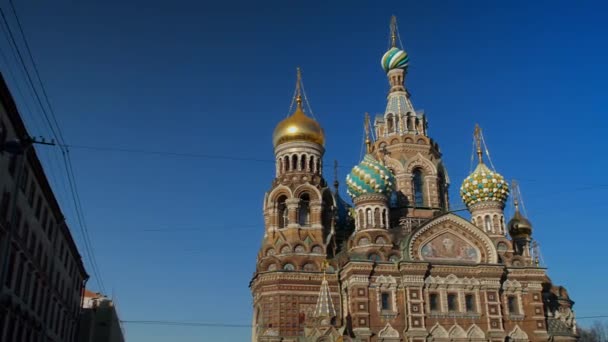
[368, 142]
[393, 31]
[299, 87]
[478, 142]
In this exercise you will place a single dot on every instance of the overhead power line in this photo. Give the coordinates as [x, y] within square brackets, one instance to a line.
[51, 120]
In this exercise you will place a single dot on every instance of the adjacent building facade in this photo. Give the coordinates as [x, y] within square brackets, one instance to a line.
[99, 320]
[397, 264]
[43, 274]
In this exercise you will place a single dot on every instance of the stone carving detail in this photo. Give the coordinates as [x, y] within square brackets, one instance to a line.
[439, 331]
[518, 335]
[388, 332]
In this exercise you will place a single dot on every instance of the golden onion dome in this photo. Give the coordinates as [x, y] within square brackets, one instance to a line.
[298, 127]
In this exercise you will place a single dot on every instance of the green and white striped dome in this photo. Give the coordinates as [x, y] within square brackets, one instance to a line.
[394, 58]
[370, 177]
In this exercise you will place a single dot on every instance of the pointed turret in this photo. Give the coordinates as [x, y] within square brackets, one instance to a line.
[324, 310]
[520, 227]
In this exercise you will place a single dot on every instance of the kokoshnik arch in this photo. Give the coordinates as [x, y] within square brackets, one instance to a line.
[396, 265]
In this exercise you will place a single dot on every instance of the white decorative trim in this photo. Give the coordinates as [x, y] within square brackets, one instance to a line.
[388, 332]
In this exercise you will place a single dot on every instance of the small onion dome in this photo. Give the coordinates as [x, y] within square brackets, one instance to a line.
[484, 185]
[298, 127]
[370, 177]
[519, 226]
[394, 58]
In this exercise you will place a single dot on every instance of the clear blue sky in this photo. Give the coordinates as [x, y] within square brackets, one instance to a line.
[215, 77]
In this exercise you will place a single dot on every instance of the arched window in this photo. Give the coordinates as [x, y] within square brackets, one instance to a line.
[377, 217]
[384, 225]
[304, 210]
[390, 123]
[286, 163]
[294, 162]
[488, 223]
[418, 187]
[368, 218]
[361, 218]
[288, 267]
[303, 162]
[441, 190]
[311, 164]
[282, 212]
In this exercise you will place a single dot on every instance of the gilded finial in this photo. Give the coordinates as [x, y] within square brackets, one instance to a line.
[368, 142]
[324, 266]
[478, 142]
[393, 31]
[299, 87]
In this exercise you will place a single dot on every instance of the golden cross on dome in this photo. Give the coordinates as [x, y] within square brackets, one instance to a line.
[515, 188]
[478, 142]
[368, 142]
[393, 31]
[298, 86]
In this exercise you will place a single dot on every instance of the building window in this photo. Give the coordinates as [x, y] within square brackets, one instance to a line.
[386, 301]
[434, 302]
[282, 212]
[452, 302]
[469, 302]
[418, 187]
[488, 224]
[304, 210]
[512, 304]
[289, 267]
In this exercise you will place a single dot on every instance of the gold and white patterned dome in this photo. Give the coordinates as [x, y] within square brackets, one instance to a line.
[484, 185]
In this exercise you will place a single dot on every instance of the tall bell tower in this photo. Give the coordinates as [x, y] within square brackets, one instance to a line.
[299, 233]
[403, 144]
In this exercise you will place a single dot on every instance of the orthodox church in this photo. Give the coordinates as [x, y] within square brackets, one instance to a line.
[396, 264]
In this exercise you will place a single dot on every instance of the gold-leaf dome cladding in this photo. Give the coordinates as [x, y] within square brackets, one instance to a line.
[298, 127]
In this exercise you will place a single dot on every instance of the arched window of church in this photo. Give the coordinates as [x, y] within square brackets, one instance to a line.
[286, 163]
[282, 211]
[303, 162]
[288, 267]
[488, 223]
[361, 219]
[311, 164]
[390, 123]
[368, 218]
[309, 267]
[294, 162]
[384, 225]
[304, 210]
[376, 217]
[441, 190]
[418, 187]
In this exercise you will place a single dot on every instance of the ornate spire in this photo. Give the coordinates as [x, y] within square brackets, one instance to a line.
[393, 31]
[477, 136]
[368, 142]
[299, 87]
[325, 307]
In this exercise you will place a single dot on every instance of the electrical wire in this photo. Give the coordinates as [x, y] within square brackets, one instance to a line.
[53, 125]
